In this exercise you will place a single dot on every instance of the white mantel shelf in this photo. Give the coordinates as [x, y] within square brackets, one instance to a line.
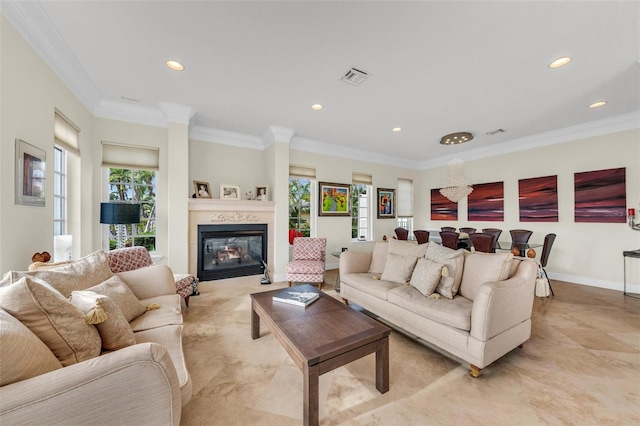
[209, 205]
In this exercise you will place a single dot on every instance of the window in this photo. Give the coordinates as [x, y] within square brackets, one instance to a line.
[405, 204]
[300, 190]
[59, 191]
[361, 206]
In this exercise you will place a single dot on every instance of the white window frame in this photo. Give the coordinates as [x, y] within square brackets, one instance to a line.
[363, 217]
[60, 190]
[312, 203]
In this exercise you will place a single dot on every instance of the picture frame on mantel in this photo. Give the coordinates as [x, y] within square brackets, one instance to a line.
[202, 189]
[229, 192]
[30, 174]
[262, 193]
[334, 199]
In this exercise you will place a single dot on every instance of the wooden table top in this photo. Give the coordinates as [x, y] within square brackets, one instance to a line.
[322, 330]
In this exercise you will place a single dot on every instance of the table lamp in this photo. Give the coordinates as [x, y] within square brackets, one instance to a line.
[119, 214]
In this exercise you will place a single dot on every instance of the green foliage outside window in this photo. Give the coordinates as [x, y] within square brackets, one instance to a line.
[300, 205]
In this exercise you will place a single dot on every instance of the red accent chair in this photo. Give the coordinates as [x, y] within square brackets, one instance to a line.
[308, 264]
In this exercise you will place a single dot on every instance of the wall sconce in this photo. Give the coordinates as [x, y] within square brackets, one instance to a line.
[631, 215]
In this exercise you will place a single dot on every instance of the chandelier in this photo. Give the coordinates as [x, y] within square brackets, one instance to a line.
[456, 187]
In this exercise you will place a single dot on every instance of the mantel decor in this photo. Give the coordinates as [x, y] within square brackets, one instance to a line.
[334, 199]
[30, 174]
[202, 189]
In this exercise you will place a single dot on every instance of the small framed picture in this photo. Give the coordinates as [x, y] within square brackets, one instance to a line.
[386, 203]
[229, 192]
[202, 189]
[30, 174]
[262, 193]
[334, 199]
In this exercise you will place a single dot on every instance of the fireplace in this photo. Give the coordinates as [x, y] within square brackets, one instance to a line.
[231, 250]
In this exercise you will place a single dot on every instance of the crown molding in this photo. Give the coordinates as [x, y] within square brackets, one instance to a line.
[177, 113]
[276, 134]
[225, 137]
[132, 113]
[34, 26]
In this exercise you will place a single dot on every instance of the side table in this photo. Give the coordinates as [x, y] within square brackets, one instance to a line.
[625, 254]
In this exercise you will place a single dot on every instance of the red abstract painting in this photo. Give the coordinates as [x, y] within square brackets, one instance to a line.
[441, 207]
[538, 199]
[600, 196]
[486, 202]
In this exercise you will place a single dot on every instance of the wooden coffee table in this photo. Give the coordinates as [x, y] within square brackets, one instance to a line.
[325, 335]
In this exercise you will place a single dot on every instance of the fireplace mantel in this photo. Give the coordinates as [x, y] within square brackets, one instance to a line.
[204, 211]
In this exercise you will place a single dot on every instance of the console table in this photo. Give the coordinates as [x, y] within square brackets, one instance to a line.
[625, 254]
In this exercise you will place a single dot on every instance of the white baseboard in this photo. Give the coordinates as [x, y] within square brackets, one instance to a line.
[593, 282]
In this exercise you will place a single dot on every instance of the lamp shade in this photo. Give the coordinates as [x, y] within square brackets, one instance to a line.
[119, 213]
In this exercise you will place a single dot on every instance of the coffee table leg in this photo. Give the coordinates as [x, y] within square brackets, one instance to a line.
[311, 377]
[382, 366]
[255, 323]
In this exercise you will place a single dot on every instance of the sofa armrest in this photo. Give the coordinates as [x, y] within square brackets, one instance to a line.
[138, 383]
[498, 306]
[354, 262]
[151, 281]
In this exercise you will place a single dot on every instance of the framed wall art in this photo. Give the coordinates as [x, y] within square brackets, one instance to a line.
[538, 199]
[441, 207]
[334, 199]
[202, 189]
[601, 196]
[229, 192]
[486, 202]
[30, 174]
[386, 203]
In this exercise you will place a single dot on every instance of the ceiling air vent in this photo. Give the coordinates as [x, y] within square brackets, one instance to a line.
[354, 77]
[495, 132]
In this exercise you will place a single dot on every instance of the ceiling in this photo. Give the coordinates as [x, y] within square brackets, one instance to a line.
[434, 67]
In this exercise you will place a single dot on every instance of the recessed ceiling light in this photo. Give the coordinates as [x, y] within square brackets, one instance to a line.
[174, 65]
[456, 138]
[316, 107]
[598, 104]
[396, 129]
[560, 62]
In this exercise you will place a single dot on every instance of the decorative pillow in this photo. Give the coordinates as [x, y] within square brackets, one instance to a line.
[480, 268]
[51, 317]
[122, 296]
[78, 275]
[398, 268]
[115, 331]
[454, 262]
[426, 276]
[409, 248]
[22, 354]
[378, 257]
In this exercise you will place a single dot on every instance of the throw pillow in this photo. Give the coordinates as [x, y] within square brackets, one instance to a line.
[408, 248]
[398, 268]
[480, 268]
[454, 262]
[378, 257]
[122, 296]
[22, 354]
[51, 317]
[115, 331]
[426, 276]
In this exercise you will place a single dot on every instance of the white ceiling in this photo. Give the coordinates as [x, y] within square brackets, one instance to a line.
[435, 67]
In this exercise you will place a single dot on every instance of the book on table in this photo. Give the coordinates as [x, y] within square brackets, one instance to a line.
[296, 297]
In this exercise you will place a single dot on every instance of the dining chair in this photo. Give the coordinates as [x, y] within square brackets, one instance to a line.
[482, 242]
[468, 231]
[308, 263]
[448, 229]
[495, 232]
[520, 236]
[450, 239]
[401, 233]
[422, 236]
[544, 257]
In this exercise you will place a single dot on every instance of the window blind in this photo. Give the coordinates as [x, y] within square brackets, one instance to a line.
[302, 171]
[361, 178]
[66, 135]
[405, 198]
[130, 156]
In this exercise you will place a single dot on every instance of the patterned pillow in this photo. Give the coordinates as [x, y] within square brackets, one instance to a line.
[398, 268]
[454, 261]
[480, 268]
[122, 296]
[51, 317]
[115, 331]
[22, 354]
[426, 276]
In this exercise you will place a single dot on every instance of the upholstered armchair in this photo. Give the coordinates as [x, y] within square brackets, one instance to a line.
[131, 258]
[308, 263]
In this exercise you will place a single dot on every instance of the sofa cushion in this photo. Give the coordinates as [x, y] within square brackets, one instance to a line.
[169, 313]
[78, 275]
[22, 354]
[398, 268]
[305, 267]
[426, 276]
[378, 257]
[406, 248]
[454, 312]
[480, 268]
[51, 317]
[369, 284]
[454, 261]
[122, 296]
[115, 331]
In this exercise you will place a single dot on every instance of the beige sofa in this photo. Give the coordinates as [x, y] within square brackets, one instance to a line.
[476, 307]
[54, 367]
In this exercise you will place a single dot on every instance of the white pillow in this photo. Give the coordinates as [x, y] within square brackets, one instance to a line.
[122, 296]
[410, 248]
[378, 257]
[454, 262]
[398, 268]
[426, 276]
[480, 268]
